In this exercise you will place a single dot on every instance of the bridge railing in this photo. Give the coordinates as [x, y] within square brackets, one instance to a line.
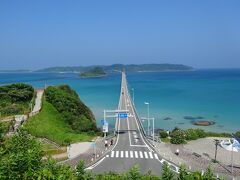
[136, 114]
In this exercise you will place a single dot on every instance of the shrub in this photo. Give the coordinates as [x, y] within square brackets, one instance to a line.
[201, 133]
[214, 134]
[15, 98]
[72, 109]
[167, 173]
[191, 134]
[238, 134]
[178, 137]
[163, 134]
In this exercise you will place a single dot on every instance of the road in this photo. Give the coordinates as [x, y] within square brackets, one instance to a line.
[131, 148]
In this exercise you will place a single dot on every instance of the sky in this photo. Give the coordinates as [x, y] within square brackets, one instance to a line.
[38, 34]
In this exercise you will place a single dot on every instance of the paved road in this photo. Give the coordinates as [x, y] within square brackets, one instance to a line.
[38, 101]
[131, 147]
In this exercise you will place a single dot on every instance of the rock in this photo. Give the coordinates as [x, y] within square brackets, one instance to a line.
[167, 118]
[203, 123]
[193, 117]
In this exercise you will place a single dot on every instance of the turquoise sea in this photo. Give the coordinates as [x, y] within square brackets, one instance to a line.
[210, 94]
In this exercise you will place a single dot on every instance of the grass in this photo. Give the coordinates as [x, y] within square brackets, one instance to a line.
[5, 126]
[166, 140]
[49, 124]
[52, 150]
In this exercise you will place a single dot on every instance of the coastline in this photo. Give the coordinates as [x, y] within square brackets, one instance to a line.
[173, 95]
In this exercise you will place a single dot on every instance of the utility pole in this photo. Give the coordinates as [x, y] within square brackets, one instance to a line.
[216, 146]
[104, 118]
[153, 129]
[133, 95]
[147, 103]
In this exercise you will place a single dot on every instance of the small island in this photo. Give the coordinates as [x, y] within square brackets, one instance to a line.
[94, 72]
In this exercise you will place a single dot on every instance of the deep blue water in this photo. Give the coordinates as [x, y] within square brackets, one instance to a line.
[211, 94]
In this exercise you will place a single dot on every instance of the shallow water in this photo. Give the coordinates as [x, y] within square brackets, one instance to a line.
[212, 94]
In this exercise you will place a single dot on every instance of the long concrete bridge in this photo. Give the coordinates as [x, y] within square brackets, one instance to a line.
[131, 147]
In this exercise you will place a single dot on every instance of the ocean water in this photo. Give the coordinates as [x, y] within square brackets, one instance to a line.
[211, 94]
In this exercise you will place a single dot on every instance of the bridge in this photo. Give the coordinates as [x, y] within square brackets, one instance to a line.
[131, 147]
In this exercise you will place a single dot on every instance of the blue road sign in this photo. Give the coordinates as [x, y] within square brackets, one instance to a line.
[103, 122]
[122, 115]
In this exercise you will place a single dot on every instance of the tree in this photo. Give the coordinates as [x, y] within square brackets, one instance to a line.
[134, 173]
[237, 134]
[52, 170]
[80, 170]
[183, 174]
[208, 175]
[191, 134]
[163, 134]
[22, 157]
[178, 137]
[167, 173]
[1, 133]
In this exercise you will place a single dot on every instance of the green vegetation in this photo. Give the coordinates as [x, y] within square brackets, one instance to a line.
[163, 134]
[94, 72]
[121, 67]
[50, 124]
[15, 99]
[50, 149]
[238, 134]
[179, 136]
[66, 101]
[21, 159]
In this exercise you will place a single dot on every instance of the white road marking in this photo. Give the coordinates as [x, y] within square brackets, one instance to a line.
[117, 153]
[138, 145]
[112, 154]
[131, 154]
[141, 154]
[150, 155]
[121, 154]
[107, 155]
[136, 154]
[94, 165]
[146, 155]
[156, 156]
[126, 154]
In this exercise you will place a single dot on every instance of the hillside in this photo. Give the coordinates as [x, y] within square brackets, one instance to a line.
[73, 110]
[94, 72]
[50, 124]
[15, 99]
[121, 67]
[64, 117]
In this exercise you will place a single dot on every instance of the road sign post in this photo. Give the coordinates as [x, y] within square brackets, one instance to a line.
[94, 149]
